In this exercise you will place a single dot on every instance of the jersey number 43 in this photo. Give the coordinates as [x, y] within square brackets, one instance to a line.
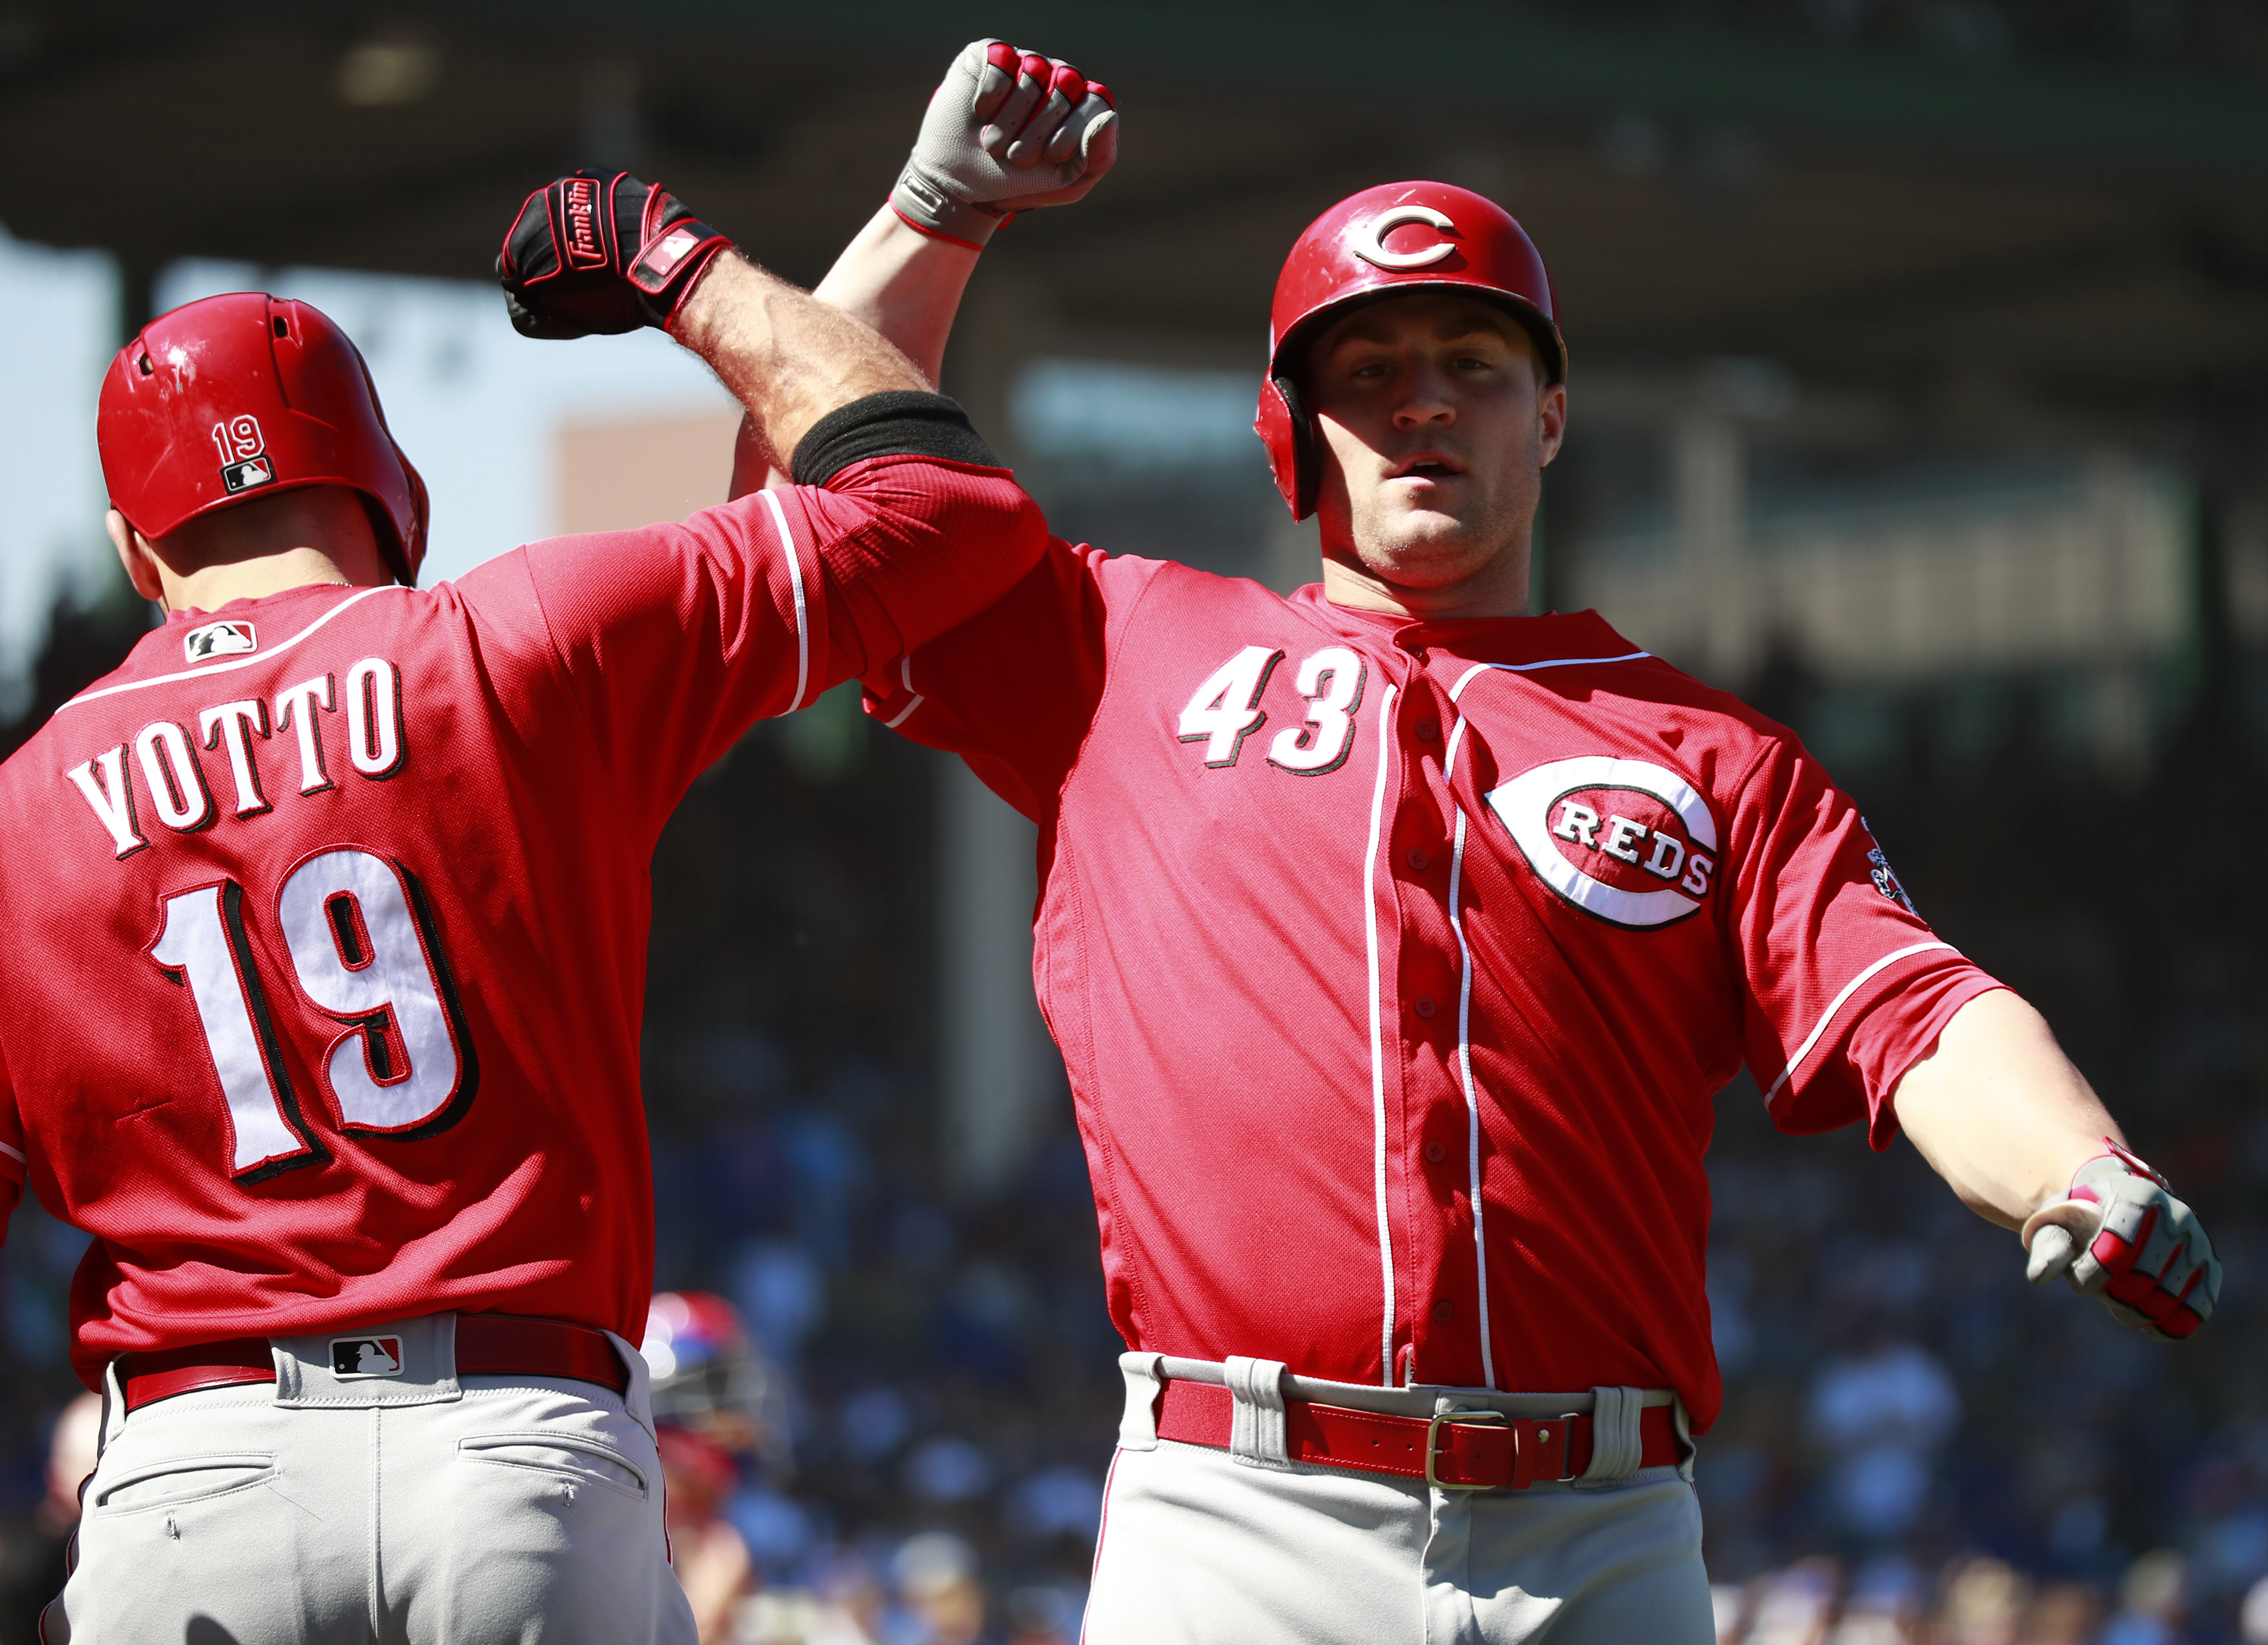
[365, 953]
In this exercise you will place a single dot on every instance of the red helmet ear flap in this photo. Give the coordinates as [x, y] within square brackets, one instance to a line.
[1283, 428]
[420, 515]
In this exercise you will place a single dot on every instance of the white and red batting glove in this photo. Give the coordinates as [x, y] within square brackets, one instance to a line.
[1007, 131]
[2120, 1235]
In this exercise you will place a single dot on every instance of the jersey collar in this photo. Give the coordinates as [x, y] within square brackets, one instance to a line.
[1554, 636]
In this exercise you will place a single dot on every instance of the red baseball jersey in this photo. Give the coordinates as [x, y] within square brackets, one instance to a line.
[326, 915]
[1396, 964]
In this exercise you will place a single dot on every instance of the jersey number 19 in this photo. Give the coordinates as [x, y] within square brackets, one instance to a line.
[365, 953]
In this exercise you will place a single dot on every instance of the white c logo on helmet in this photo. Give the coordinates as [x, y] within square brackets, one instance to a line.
[1368, 242]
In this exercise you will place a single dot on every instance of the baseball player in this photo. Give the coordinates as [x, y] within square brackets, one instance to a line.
[326, 916]
[1397, 942]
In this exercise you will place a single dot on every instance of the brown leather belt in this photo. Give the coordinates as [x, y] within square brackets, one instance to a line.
[1466, 1450]
[488, 1345]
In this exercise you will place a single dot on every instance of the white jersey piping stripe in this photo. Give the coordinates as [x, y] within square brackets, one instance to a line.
[16, 1154]
[795, 581]
[1378, 1035]
[211, 669]
[1836, 1004]
[1531, 667]
[1449, 761]
[1457, 733]
[1465, 1076]
[905, 674]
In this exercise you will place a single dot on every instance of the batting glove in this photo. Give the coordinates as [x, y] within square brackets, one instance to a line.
[595, 255]
[2122, 1236]
[1007, 131]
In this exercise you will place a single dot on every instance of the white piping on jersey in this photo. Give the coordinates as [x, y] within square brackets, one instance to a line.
[1457, 732]
[1449, 761]
[1465, 975]
[1848, 988]
[1531, 667]
[906, 673]
[1378, 1035]
[795, 581]
[1465, 1075]
[16, 1154]
[241, 662]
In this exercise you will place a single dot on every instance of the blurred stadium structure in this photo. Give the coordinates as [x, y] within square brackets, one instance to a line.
[1920, 391]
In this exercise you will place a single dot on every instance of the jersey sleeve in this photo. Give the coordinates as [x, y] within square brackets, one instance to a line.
[1846, 986]
[674, 639]
[14, 1162]
[1014, 691]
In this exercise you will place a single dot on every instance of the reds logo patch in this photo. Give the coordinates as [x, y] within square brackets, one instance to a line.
[219, 639]
[1626, 841]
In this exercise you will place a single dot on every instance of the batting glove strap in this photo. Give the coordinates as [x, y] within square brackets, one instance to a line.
[2132, 1244]
[592, 254]
[1007, 131]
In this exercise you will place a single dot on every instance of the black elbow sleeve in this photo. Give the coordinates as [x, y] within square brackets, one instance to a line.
[901, 423]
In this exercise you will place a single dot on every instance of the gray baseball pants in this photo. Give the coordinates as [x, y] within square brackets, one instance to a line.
[410, 1510]
[1201, 1547]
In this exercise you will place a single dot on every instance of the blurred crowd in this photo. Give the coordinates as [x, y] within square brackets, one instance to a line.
[1915, 1445]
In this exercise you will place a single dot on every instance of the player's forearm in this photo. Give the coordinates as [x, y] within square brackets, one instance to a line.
[907, 285]
[904, 283]
[2000, 1111]
[788, 357]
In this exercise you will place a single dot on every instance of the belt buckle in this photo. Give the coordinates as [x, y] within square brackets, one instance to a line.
[1433, 1449]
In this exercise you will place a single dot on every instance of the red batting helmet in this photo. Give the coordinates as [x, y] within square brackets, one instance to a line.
[1389, 242]
[234, 397]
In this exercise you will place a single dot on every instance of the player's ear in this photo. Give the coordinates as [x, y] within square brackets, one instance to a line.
[1551, 414]
[134, 555]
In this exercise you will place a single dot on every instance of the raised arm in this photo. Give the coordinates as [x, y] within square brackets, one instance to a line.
[2001, 1114]
[592, 254]
[674, 638]
[1006, 131]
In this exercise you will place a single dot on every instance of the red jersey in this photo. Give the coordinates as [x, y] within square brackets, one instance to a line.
[326, 915]
[1395, 964]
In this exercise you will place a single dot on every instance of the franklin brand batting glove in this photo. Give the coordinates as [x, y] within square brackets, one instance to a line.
[2122, 1236]
[1007, 131]
[595, 255]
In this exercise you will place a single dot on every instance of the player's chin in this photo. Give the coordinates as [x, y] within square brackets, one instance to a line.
[1426, 549]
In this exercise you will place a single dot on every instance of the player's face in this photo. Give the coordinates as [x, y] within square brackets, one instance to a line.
[1435, 428]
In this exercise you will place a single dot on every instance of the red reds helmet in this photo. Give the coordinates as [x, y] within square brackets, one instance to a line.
[1389, 242]
[234, 398]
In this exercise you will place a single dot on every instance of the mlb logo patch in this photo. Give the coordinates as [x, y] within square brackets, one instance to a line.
[665, 257]
[242, 477]
[219, 639]
[365, 1356]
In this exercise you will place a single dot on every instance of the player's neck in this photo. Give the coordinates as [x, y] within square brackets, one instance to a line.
[1498, 590]
[262, 546]
[210, 587]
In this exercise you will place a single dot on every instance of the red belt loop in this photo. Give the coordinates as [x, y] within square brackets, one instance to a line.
[1464, 1451]
[488, 1345]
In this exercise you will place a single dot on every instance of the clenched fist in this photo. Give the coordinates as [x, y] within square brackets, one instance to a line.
[592, 256]
[1007, 131]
